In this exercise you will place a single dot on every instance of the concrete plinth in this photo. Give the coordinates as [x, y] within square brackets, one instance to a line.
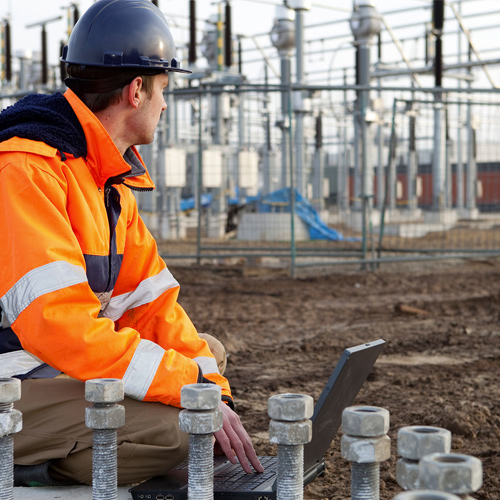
[58, 492]
[468, 213]
[271, 227]
[446, 217]
[354, 219]
[216, 226]
[166, 226]
[403, 215]
[416, 230]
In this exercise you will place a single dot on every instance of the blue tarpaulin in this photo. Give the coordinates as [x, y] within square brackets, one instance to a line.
[189, 203]
[279, 201]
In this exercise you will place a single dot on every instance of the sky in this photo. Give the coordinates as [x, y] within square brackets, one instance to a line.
[253, 19]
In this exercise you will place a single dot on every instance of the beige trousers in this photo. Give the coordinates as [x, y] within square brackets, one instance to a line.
[149, 444]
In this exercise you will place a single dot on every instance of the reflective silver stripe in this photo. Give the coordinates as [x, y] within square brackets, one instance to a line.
[17, 363]
[38, 282]
[142, 369]
[207, 364]
[147, 291]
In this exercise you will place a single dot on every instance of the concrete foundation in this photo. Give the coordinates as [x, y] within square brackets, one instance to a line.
[166, 226]
[216, 226]
[444, 217]
[58, 492]
[271, 227]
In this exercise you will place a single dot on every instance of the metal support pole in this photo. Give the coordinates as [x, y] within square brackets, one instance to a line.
[365, 444]
[241, 141]
[104, 417]
[439, 157]
[344, 189]
[300, 182]
[161, 132]
[200, 419]
[318, 167]
[380, 160]
[285, 122]
[470, 166]
[171, 113]
[290, 428]
[439, 160]
[460, 166]
[10, 423]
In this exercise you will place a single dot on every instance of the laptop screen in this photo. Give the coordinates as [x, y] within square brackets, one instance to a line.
[340, 392]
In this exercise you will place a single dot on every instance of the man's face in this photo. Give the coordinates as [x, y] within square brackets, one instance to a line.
[150, 110]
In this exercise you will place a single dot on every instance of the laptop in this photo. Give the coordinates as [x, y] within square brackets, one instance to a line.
[231, 482]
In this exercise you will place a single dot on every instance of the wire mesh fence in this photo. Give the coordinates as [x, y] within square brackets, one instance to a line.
[382, 174]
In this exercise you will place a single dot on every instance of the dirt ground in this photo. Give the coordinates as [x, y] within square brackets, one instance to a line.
[440, 367]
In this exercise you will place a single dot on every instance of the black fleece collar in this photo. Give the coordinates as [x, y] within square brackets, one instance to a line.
[44, 118]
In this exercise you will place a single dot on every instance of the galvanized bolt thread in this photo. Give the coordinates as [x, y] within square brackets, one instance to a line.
[365, 444]
[365, 481]
[104, 465]
[200, 418]
[290, 472]
[10, 423]
[290, 428]
[7, 468]
[201, 467]
[104, 417]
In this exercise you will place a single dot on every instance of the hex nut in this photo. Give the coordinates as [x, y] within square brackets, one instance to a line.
[200, 396]
[290, 433]
[365, 421]
[451, 472]
[290, 407]
[104, 390]
[416, 441]
[407, 474]
[10, 390]
[111, 417]
[10, 422]
[426, 495]
[200, 422]
[365, 450]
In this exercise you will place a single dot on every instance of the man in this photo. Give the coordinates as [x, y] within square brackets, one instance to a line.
[83, 291]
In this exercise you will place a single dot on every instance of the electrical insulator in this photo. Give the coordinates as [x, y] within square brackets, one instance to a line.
[6, 52]
[45, 64]
[192, 32]
[438, 23]
[228, 46]
[76, 14]
[62, 66]
[438, 14]
[319, 132]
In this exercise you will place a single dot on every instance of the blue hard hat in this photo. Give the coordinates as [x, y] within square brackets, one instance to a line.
[123, 34]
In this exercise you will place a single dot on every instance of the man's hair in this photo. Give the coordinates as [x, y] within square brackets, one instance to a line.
[97, 101]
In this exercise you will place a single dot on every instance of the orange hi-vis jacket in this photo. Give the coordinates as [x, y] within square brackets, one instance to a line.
[82, 286]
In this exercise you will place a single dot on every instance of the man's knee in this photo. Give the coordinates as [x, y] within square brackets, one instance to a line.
[217, 349]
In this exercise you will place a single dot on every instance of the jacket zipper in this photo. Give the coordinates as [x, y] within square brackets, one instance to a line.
[107, 191]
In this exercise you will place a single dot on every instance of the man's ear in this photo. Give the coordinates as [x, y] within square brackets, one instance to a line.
[133, 91]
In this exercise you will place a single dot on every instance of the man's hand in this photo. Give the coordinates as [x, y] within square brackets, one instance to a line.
[235, 442]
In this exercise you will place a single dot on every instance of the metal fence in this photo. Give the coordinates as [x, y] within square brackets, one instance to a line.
[382, 174]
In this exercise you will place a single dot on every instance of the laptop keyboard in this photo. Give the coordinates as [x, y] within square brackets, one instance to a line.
[233, 477]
